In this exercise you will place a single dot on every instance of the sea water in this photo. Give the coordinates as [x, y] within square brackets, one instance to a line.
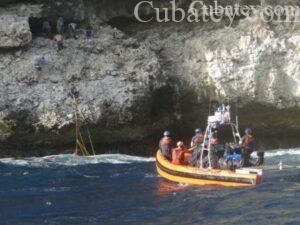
[123, 189]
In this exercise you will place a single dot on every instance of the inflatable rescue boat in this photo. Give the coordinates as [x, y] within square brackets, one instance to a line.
[196, 176]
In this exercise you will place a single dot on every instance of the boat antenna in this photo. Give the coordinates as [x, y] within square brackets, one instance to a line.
[210, 100]
[236, 108]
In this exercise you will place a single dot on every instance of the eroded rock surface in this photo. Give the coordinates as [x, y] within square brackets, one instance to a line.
[137, 79]
[14, 31]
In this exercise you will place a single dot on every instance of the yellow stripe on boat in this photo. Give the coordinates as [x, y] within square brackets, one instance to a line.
[197, 176]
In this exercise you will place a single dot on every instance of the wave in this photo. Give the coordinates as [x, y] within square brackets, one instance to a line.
[73, 160]
[282, 152]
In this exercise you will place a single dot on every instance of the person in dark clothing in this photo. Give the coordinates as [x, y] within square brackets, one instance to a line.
[247, 145]
[198, 138]
[89, 32]
[60, 25]
[59, 40]
[72, 30]
[39, 63]
[46, 28]
[196, 145]
[74, 93]
[212, 155]
[166, 145]
[260, 160]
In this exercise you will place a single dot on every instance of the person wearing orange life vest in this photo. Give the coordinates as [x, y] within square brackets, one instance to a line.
[247, 145]
[180, 155]
[166, 145]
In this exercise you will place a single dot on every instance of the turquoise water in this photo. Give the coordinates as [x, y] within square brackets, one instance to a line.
[122, 189]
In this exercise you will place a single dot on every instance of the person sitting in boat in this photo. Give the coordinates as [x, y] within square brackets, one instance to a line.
[247, 145]
[166, 145]
[231, 159]
[196, 145]
[181, 155]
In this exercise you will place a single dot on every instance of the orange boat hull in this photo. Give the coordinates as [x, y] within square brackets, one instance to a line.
[197, 176]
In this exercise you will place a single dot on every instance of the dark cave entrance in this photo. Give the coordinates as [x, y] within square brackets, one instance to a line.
[36, 25]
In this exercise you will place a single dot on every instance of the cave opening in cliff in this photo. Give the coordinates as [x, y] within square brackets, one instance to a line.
[163, 102]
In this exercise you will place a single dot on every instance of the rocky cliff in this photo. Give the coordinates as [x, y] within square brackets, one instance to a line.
[134, 79]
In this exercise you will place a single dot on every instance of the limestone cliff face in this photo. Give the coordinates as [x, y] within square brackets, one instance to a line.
[136, 79]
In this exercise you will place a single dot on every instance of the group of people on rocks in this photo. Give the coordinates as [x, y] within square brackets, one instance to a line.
[231, 156]
[59, 36]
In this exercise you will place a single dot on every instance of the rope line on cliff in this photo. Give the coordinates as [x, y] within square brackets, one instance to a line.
[80, 143]
[88, 134]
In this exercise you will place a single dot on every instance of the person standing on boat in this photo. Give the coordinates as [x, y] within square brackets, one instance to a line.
[247, 145]
[214, 142]
[166, 144]
[196, 145]
[198, 138]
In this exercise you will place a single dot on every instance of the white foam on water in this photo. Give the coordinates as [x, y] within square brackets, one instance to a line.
[279, 152]
[73, 160]
[18, 162]
[282, 153]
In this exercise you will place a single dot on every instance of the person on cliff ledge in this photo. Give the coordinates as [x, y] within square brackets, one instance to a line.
[166, 145]
[89, 32]
[60, 25]
[39, 63]
[72, 30]
[46, 28]
[73, 93]
[59, 41]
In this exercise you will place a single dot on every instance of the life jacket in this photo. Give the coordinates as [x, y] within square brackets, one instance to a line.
[247, 139]
[166, 141]
[213, 141]
[180, 156]
[248, 142]
[197, 139]
[177, 155]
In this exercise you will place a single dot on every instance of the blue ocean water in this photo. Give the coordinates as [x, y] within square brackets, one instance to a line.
[122, 189]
